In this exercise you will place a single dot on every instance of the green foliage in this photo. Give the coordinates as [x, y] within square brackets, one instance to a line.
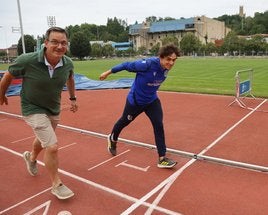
[96, 50]
[79, 45]
[170, 39]
[154, 50]
[142, 50]
[2, 53]
[189, 44]
[116, 27]
[29, 42]
[247, 25]
[107, 50]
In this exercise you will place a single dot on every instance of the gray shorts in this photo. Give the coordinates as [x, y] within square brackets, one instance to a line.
[44, 128]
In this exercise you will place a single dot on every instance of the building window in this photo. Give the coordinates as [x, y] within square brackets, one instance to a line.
[189, 25]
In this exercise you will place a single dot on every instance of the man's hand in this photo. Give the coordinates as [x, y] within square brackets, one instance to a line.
[3, 100]
[74, 106]
[4, 84]
[104, 75]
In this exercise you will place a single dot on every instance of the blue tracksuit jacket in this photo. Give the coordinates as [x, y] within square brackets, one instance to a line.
[149, 76]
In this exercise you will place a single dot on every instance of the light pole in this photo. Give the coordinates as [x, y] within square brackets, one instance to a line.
[21, 28]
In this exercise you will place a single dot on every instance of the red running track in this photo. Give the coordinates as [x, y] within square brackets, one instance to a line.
[197, 126]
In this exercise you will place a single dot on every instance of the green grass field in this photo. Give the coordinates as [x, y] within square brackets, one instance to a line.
[198, 75]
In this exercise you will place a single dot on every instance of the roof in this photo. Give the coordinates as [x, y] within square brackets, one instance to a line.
[164, 26]
[134, 29]
[122, 46]
[170, 25]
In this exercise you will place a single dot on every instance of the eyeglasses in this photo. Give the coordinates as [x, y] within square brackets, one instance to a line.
[57, 43]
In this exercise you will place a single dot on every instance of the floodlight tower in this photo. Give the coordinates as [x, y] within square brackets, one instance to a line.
[51, 21]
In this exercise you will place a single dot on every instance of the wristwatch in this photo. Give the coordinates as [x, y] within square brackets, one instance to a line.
[73, 98]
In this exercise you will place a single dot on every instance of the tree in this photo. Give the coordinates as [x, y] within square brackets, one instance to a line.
[79, 45]
[30, 44]
[231, 43]
[261, 19]
[96, 50]
[210, 48]
[115, 27]
[91, 31]
[107, 50]
[190, 44]
[170, 39]
[256, 45]
[247, 25]
[151, 19]
[142, 50]
[154, 50]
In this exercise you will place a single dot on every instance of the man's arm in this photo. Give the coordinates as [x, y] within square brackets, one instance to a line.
[71, 86]
[134, 66]
[71, 89]
[4, 84]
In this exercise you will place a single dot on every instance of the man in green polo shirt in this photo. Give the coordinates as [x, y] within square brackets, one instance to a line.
[44, 74]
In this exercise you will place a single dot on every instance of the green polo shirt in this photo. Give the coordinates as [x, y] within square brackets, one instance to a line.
[40, 93]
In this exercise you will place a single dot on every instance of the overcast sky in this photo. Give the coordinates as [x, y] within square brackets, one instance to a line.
[34, 13]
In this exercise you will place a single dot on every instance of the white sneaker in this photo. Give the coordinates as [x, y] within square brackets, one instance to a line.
[62, 192]
[31, 166]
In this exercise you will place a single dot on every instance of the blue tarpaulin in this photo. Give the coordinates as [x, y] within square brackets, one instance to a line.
[84, 83]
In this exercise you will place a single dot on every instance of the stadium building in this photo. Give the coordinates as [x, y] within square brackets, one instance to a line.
[149, 34]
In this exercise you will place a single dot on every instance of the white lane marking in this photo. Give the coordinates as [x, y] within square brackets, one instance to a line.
[108, 160]
[20, 140]
[25, 200]
[71, 144]
[173, 177]
[91, 183]
[124, 163]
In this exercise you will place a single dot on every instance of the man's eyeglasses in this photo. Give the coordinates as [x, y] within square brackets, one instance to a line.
[57, 43]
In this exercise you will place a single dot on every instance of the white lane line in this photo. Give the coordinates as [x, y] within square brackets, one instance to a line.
[173, 177]
[71, 144]
[230, 129]
[108, 160]
[25, 200]
[157, 188]
[20, 140]
[95, 185]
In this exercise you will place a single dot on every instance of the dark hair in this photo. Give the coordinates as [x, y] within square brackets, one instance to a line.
[168, 50]
[55, 29]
